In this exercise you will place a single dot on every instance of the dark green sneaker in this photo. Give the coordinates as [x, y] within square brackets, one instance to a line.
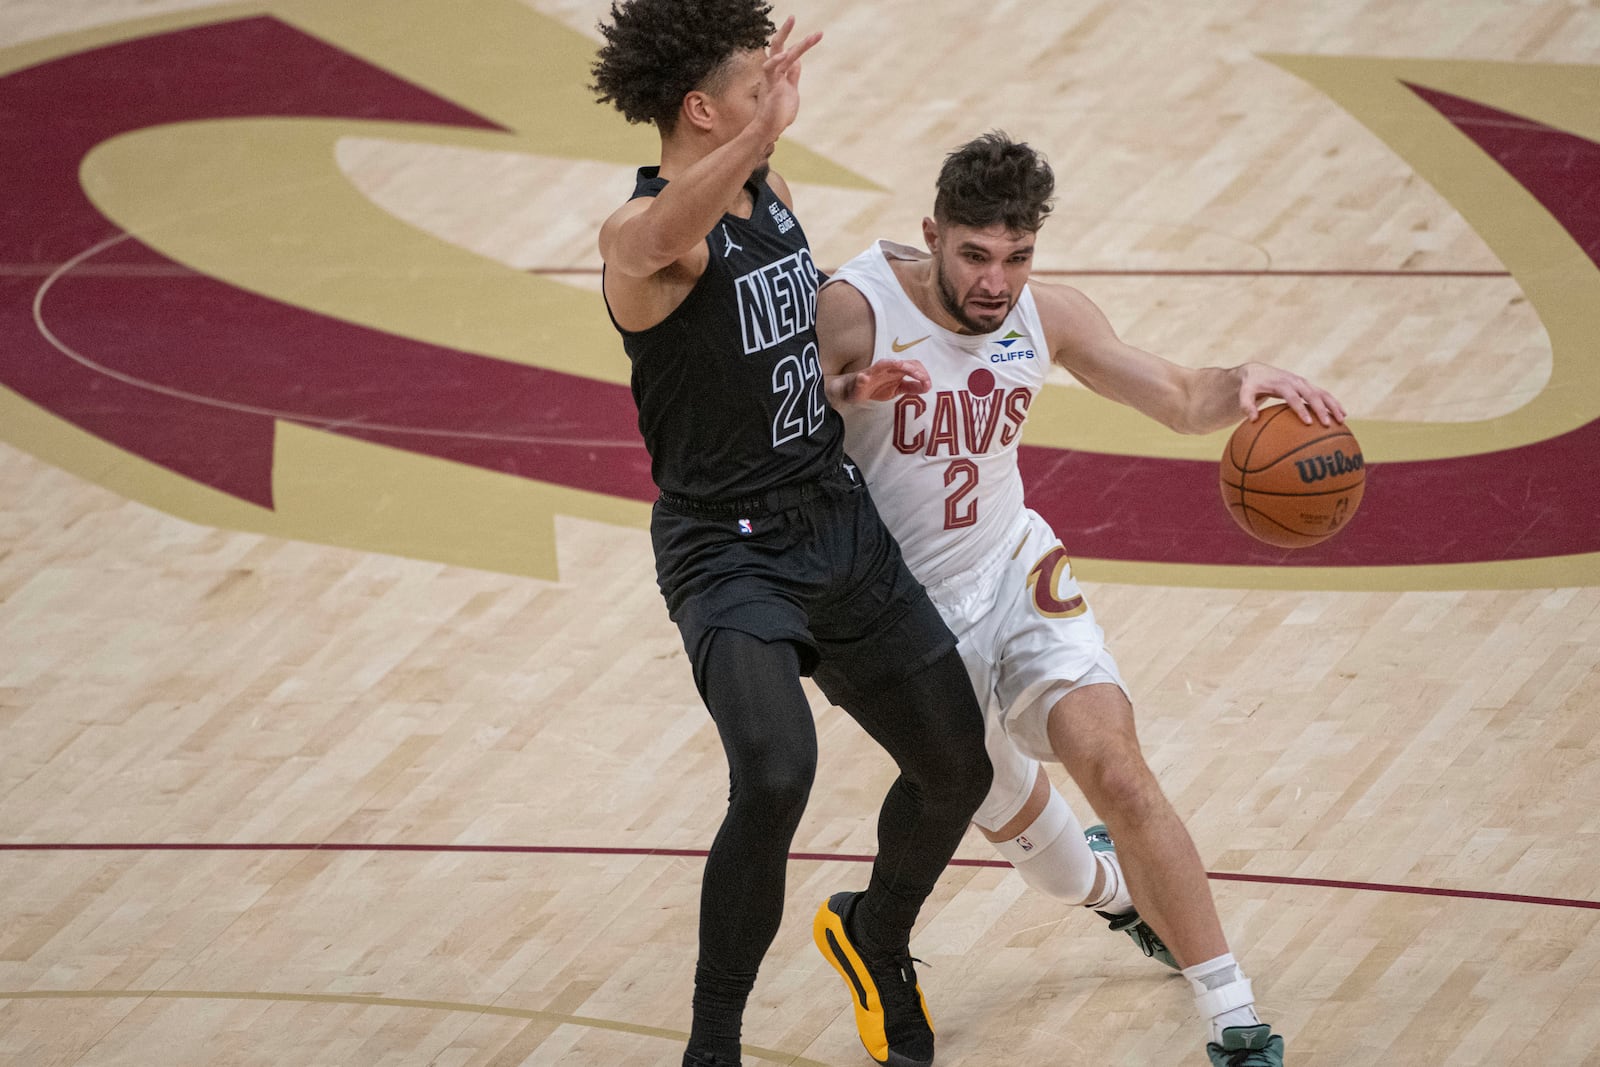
[1129, 923]
[1247, 1046]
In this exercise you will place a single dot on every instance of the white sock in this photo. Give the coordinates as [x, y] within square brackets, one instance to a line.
[1222, 993]
[1114, 898]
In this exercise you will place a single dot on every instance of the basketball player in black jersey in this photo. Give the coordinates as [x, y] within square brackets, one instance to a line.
[769, 553]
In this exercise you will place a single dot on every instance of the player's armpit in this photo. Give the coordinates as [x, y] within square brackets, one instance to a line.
[846, 329]
[640, 301]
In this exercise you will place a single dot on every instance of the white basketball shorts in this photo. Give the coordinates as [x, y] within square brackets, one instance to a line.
[1027, 637]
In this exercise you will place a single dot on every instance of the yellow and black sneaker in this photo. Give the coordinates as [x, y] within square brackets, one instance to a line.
[891, 1016]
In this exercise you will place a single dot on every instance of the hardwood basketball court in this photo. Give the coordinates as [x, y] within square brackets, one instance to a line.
[341, 722]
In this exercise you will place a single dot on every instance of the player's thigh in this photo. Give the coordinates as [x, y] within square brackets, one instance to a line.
[715, 579]
[876, 628]
[1092, 731]
[929, 723]
[1043, 659]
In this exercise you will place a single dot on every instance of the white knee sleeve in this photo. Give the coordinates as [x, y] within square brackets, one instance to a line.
[1051, 854]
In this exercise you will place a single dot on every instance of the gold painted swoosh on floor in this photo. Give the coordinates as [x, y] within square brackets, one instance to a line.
[558, 1018]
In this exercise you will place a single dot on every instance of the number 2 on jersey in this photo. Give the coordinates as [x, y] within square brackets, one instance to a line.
[959, 512]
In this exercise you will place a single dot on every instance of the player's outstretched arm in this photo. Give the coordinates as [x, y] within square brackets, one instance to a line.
[1186, 399]
[648, 235]
[846, 336]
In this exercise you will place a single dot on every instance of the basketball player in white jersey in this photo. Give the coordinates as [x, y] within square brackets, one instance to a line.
[934, 358]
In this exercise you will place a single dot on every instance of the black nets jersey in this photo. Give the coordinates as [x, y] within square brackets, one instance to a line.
[729, 386]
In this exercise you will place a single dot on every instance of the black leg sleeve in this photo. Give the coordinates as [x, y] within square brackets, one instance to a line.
[932, 726]
[753, 691]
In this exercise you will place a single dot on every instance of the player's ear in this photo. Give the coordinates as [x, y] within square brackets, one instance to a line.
[930, 235]
[698, 110]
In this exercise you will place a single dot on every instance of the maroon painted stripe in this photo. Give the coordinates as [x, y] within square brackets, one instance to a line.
[1287, 272]
[1414, 890]
[700, 853]
[1559, 168]
[175, 270]
[1182, 272]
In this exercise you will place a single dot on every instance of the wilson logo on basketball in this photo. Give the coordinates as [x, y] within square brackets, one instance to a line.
[1319, 467]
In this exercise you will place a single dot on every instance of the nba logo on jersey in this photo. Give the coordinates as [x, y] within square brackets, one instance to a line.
[1022, 840]
[745, 527]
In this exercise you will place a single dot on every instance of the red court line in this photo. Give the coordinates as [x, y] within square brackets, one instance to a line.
[1277, 273]
[1094, 272]
[174, 270]
[700, 853]
[1415, 890]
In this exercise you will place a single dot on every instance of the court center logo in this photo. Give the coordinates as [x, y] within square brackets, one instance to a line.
[219, 325]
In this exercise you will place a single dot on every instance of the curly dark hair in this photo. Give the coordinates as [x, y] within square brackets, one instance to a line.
[655, 51]
[995, 179]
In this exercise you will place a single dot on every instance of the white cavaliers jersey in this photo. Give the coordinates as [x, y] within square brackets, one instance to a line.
[942, 466]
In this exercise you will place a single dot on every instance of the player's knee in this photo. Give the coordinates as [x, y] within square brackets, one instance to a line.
[947, 765]
[964, 780]
[1065, 869]
[1052, 854]
[776, 788]
[1125, 785]
[966, 775]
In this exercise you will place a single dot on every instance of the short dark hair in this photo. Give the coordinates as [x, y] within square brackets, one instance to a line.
[656, 51]
[994, 179]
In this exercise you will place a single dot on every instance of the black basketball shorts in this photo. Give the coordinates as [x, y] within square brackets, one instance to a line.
[819, 569]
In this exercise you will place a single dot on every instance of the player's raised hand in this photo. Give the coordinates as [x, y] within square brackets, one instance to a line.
[780, 95]
[887, 379]
[1259, 381]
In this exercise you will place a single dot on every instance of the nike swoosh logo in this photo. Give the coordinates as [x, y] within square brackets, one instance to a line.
[898, 347]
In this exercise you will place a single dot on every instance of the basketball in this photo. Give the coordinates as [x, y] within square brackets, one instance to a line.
[1289, 484]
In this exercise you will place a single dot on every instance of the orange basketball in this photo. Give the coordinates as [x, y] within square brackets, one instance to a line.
[1290, 484]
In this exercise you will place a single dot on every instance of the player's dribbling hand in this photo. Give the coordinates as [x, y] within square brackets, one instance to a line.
[889, 378]
[1310, 402]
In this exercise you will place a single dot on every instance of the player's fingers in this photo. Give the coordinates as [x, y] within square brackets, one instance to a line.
[786, 64]
[1319, 405]
[805, 46]
[1247, 402]
[1335, 408]
[1298, 404]
[1321, 402]
[909, 368]
[775, 46]
[1304, 398]
[884, 379]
